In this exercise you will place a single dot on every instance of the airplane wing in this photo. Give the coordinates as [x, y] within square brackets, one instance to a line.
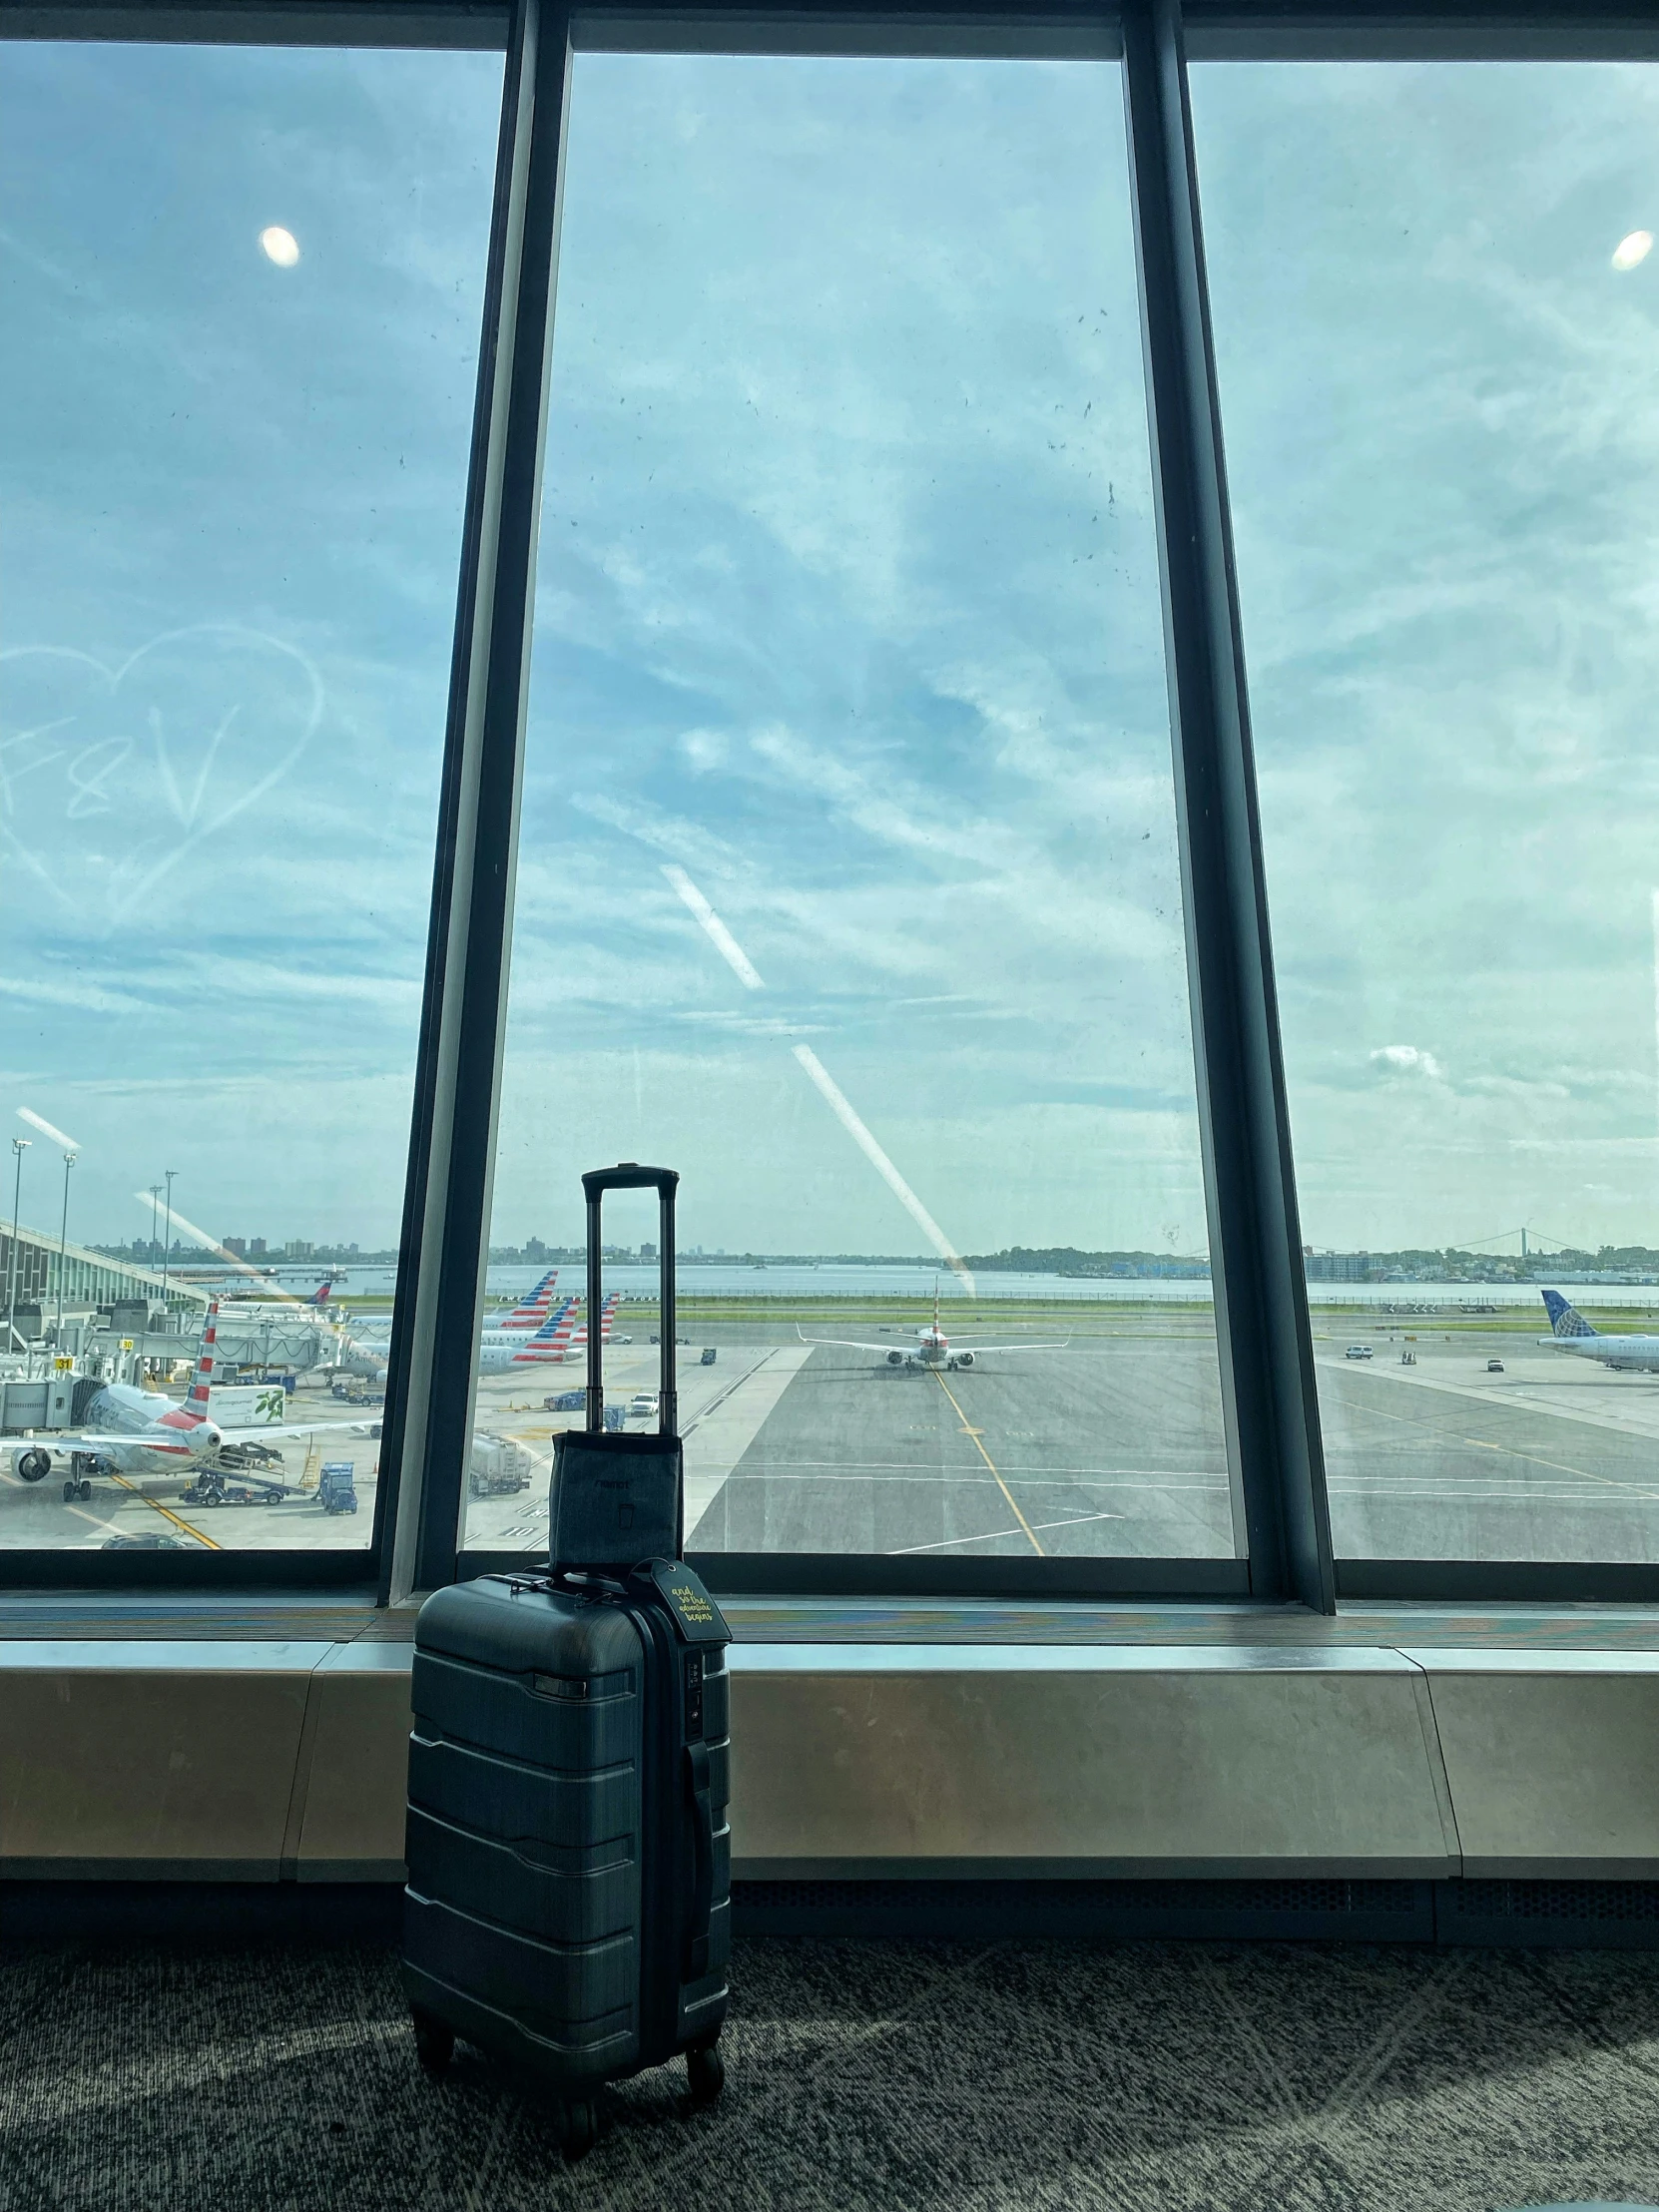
[287, 1428]
[976, 1349]
[909, 1347]
[848, 1344]
[66, 1441]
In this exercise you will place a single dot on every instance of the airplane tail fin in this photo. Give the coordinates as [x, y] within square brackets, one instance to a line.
[1565, 1317]
[536, 1306]
[202, 1381]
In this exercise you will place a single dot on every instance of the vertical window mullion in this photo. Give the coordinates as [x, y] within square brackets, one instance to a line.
[1267, 1352]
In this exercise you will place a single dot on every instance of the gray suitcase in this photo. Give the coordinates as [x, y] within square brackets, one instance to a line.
[568, 1907]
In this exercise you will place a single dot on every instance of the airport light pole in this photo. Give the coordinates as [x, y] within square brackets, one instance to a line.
[154, 1203]
[167, 1240]
[20, 1145]
[63, 1250]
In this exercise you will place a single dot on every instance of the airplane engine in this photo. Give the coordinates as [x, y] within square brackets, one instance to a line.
[895, 1359]
[32, 1465]
[963, 1359]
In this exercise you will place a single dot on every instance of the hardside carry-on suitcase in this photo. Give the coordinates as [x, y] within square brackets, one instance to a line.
[569, 1869]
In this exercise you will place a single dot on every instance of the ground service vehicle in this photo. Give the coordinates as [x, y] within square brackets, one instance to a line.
[336, 1486]
[708, 1359]
[1357, 1351]
[499, 1467]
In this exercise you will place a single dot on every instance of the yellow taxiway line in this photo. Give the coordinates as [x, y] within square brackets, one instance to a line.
[968, 1429]
[163, 1512]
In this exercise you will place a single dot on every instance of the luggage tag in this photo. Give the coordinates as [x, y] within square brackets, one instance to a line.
[693, 1612]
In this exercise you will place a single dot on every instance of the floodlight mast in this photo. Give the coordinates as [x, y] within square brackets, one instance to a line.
[63, 1250]
[20, 1145]
[167, 1241]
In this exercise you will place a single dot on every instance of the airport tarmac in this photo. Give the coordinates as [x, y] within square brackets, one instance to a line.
[34, 1516]
[1110, 1447]
[1555, 1458]
[1067, 1453]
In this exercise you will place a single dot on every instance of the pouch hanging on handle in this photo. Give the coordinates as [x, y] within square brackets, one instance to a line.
[617, 1499]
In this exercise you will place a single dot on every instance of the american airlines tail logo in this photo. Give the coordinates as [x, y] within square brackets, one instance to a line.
[196, 1401]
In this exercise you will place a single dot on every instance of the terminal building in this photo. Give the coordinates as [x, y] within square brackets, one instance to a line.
[50, 1269]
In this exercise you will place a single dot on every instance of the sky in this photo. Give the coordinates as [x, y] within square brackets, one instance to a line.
[231, 497]
[847, 877]
[1441, 416]
[848, 633]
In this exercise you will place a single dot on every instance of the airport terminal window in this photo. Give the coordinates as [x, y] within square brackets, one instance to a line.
[848, 879]
[1437, 310]
[241, 291]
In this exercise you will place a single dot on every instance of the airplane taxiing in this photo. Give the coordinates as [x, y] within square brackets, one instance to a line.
[932, 1347]
[1571, 1332]
[134, 1431]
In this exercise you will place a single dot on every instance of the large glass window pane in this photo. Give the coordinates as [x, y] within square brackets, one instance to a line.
[847, 880]
[1436, 316]
[240, 295]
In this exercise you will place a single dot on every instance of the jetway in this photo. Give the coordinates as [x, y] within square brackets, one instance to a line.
[45, 1403]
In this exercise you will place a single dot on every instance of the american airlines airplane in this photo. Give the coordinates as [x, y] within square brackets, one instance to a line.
[498, 1353]
[134, 1431]
[932, 1347]
[1571, 1332]
[559, 1337]
[531, 1312]
[533, 1315]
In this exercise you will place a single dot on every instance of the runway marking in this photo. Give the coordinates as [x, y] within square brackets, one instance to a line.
[157, 1506]
[1152, 1480]
[1533, 1459]
[996, 1535]
[1037, 1472]
[109, 1527]
[991, 1463]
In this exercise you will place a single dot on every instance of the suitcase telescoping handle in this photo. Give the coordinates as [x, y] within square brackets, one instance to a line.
[627, 1175]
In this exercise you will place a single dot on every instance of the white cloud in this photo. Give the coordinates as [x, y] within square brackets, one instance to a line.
[1407, 1059]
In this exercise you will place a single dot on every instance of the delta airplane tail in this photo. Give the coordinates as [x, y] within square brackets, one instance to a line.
[1565, 1317]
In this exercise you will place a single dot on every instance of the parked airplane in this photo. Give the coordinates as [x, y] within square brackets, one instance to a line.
[134, 1431]
[531, 1312]
[560, 1338]
[255, 1295]
[1571, 1332]
[932, 1346]
[498, 1351]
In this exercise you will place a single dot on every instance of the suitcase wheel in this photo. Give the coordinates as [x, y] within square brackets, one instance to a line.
[580, 2130]
[434, 2042]
[706, 2074]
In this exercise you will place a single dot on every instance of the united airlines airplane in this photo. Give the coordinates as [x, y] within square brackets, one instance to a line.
[1571, 1332]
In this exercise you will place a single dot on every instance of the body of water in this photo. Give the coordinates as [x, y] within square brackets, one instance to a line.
[835, 1280]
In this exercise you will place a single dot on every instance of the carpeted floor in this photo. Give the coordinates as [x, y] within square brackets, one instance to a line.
[881, 2075]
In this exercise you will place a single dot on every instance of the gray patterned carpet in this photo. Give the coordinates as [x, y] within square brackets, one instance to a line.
[881, 2075]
